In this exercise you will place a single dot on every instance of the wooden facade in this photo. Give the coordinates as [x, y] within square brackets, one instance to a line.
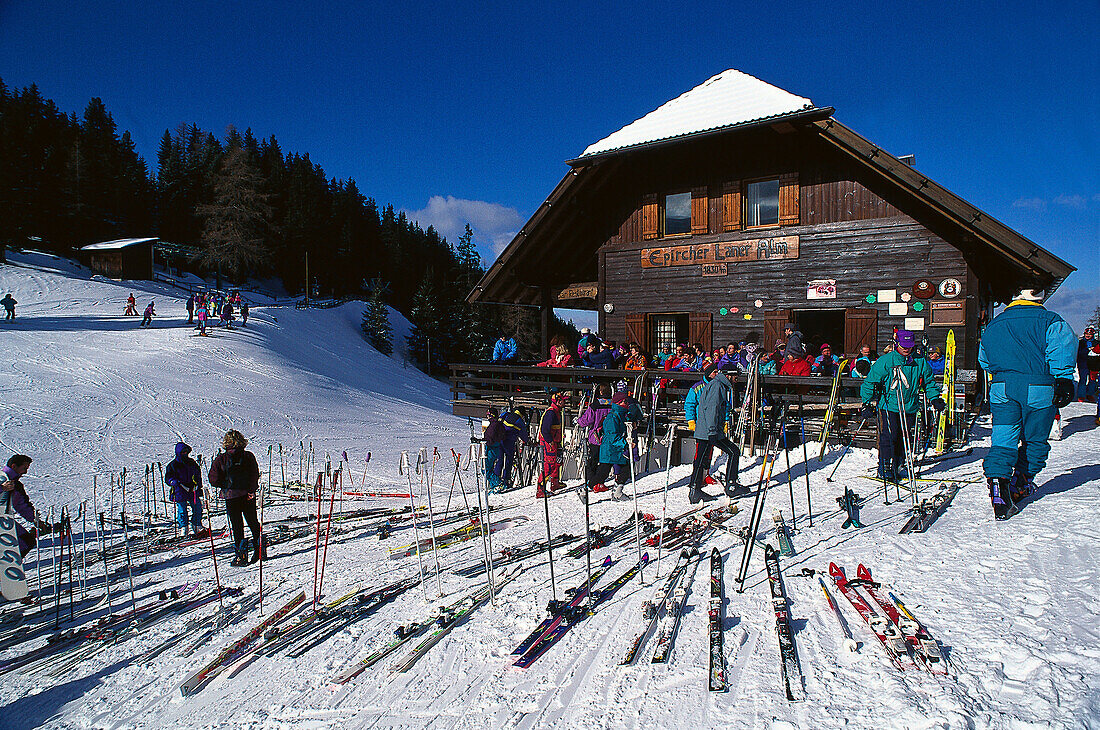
[131, 260]
[855, 231]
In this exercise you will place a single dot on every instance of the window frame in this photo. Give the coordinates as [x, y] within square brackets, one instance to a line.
[662, 206]
[745, 183]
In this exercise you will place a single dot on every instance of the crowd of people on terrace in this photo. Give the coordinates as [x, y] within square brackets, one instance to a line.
[787, 356]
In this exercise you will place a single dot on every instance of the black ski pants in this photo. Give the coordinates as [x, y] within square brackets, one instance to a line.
[891, 439]
[241, 510]
[703, 450]
[603, 471]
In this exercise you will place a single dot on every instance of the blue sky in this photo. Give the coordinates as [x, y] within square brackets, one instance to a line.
[463, 113]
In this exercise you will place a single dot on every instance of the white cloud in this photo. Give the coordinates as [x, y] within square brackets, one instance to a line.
[1075, 305]
[1036, 204]
[494, 225]
[1071, 201]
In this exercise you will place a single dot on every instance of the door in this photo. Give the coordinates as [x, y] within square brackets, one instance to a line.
[773, 322]
[860, 328]
[635, 331]
[700, 330]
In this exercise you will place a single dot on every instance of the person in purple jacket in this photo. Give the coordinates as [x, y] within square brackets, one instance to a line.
[16, 501]
[185, 478]
[591, 421]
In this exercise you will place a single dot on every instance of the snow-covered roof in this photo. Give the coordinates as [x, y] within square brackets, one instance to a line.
[120, 243]
[729, 99]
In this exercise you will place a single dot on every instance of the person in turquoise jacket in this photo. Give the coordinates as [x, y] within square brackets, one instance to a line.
[882, 381]
[614, 450]
[1030, 352]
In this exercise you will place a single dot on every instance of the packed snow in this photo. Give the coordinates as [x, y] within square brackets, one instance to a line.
[1014, 605]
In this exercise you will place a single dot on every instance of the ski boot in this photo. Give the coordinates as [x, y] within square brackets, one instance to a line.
[695, 495]
[241, 557]
[261, 552]
[1001, 496]
[617, 494]
[886, 471]
[1021, 486]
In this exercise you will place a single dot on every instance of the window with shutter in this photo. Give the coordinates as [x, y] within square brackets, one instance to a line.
[651, 217]
[788, 200]
[699, 205]
[731, 206]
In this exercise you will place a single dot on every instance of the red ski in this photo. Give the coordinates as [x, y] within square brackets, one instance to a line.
[924, 647]
[892, 639]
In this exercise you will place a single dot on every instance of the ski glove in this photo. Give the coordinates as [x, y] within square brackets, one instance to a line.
[1063, 392]
[938, 404]
[867, 412]
[691, 425]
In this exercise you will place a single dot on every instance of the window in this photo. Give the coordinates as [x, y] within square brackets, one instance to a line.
[678, 214]
[667, 329]
[762, 203]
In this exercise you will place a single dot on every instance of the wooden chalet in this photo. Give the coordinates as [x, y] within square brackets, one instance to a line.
[125, 258]
[739, 207]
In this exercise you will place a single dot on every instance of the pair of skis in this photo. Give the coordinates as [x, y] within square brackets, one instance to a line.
[670, 597]
[830, 411]
[929, 510]
[905, 640]
[790, 667]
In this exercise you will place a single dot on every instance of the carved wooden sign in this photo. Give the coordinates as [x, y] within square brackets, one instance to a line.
[714, 269]
[760, 249]
[578, 291]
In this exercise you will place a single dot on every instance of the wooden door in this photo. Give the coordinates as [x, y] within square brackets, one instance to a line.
[774, 323]
[636, 331]
[700, 330]
[860, 328]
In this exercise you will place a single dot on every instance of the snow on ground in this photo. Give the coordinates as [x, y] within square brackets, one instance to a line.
[1014, 604]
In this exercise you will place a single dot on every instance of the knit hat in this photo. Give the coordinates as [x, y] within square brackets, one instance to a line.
[825, 346]
[905, 338]
[585, 331]
[620, 398]
[709, 370]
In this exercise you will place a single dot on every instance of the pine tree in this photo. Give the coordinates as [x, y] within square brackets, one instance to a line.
[238, 219]
[425, 339]
[376, 319]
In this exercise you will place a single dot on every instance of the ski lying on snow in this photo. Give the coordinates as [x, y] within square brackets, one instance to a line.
[674, 611]
[782, 535]
[577, 615]
[558, 610]
[650, 609]
[924, 647]
[788, 653]
[717, 674]
[929, 510]
[886, 631]
[363, 606]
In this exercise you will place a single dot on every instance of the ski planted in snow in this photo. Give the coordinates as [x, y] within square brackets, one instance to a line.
[849, 502]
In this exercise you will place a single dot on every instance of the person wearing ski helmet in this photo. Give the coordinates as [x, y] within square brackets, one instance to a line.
[898, 369]
[185, 478]
[236, 473]
[1030, 353]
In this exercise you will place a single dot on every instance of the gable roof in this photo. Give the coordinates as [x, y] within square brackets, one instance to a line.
[117, 244]
[730, 99]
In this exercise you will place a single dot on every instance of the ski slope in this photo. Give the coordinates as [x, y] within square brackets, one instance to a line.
[1015, 605]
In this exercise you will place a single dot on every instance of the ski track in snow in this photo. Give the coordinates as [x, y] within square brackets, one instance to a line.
[1015, 605]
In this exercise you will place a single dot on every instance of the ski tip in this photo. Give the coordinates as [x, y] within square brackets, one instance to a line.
[835, 570]
[863, 572]
[607, 561]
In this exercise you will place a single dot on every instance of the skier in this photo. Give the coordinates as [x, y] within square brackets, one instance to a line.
[14, 500]
[1086, 384]
[550, 441]
[826, 363]
[9, 304]
[184, 477]
[147, 319]
[227, 315]
[515, 429]
[494, 450]
[882, 381]
[592, 421]
[794, 342]
[711, 413]
[244, 312]
[614, 449]
[131, 306]
[691, 406]
[1029, 351]
[236, 473]
[201, 315]
[191, 309]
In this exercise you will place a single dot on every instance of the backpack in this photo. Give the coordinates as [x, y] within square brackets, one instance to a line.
[238, 476]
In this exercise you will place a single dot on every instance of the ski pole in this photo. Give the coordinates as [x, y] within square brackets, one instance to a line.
[664, 496]
[106, 571]
[634, 487]
[474, 457]
[328, 528]
[549, 542]
[429, 479]
[69, 530]
[849, 643]
[318, 487]
[129, 568]
[84, 548]
[403, 467]
[790, 482]
[210, 533]
[261, 547]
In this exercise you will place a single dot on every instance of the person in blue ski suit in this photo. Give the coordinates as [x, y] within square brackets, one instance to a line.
[185, 478]
[515, 430]
[505, 350]
[494, 450]
[1030, 353]
[894, 430]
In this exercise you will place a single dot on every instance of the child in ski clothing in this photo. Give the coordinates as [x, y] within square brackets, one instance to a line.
[614, 449]
[131, 307]
[592, 422]
[244, 312]
[936, 361]
[559, 358]
[184, 477]
[236, 473]
[711, 412]
[191, 309]
[15, 502]
[550, 441]
[796, 364]
[912, 374]
[9, 305]
[147, 319]
[494, 450]
[1029, 352]
[515, 430]
[201, 315]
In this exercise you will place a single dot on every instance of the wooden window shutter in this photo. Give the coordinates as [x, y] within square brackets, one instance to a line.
[774, 322]
[731, 206]
[860, 328]
[700, 330]
[699, 204]
[635, 330]
[788, 200]
[651, 217]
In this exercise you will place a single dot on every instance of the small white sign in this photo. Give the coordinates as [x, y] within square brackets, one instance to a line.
[899, 309]
[821, 289]
[887, 295]
[914, 324]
